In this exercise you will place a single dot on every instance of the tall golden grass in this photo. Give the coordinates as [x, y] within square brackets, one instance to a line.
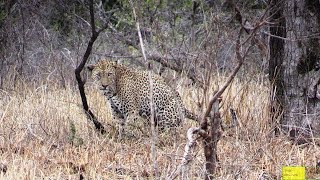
[45, 134]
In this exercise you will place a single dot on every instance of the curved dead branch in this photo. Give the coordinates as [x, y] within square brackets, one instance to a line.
[78, 70]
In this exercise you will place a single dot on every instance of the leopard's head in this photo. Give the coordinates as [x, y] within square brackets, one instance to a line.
[104, 75]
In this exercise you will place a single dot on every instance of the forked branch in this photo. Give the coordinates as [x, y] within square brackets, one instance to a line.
[78, 70]
[210, 123]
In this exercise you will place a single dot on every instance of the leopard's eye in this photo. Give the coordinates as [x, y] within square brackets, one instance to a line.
[98, 76]
[109, 74]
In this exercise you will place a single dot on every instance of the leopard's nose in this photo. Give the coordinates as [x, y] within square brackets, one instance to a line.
[103, 87]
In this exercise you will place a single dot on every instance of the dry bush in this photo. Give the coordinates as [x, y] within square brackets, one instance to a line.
[45, 134]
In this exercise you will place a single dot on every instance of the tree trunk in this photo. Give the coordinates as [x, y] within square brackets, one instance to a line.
[276, 70]
[300, 93]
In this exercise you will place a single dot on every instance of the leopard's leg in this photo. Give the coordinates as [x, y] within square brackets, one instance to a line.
[135, 121]
[119, 118]
[132, 116]
[121, 128]
[118, 115]
[169, 119]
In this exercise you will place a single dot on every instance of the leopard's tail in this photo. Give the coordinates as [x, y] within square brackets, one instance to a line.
[190, 115]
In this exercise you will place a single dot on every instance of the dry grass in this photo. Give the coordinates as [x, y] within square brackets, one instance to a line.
[44, 134]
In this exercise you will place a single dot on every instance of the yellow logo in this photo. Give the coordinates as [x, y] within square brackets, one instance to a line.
[293, 173]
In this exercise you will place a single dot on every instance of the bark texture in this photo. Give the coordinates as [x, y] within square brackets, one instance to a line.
[301, 100]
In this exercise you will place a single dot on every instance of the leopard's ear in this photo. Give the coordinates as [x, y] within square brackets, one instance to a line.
[90, 67]
[114, 63]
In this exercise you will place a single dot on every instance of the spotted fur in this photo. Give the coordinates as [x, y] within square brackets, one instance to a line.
[128, 92]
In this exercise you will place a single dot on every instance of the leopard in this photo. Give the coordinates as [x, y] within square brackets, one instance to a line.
[128, 89]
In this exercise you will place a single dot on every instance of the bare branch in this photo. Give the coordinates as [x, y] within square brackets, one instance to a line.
[211, 121]
[92, 21]
[227, 83]
[80, 67]
[158, 58]
[187, 156]
[176, 68]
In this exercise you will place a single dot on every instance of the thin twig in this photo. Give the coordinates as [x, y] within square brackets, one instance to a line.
[153, 130]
